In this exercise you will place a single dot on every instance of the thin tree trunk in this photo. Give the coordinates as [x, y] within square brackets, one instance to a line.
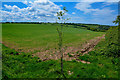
[60, 49]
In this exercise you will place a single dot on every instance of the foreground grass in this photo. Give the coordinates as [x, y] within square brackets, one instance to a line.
[42, 36]
[25, 66]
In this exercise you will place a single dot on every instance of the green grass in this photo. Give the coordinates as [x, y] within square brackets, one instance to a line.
[26, 66]
[0, 68]
[43, 36]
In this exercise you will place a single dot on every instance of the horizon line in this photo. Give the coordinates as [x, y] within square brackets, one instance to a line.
[60, 23]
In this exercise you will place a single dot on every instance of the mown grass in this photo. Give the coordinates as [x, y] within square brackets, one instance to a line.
[43, 36]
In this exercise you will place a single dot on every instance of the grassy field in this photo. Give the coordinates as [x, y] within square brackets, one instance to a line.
[103, 59]
[26, 66]
[42, 36]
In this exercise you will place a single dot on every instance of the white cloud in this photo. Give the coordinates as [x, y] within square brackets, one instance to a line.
[45, 10]
[61, 5]
[73, 13]
[103, 12]
[101, 15]
[87, 8]
[37, 10]
[25, 2]
[48, 15]
[84, 6]
[13, 8]
[8, 7]
[99, 1]
[65, 0]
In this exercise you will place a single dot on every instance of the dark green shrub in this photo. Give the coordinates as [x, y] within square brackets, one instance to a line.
[111, 42]
[92, 53]
[70, 55]
[85, 57]
[115, 61]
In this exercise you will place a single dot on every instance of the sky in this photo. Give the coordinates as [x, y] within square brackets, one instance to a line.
[79, 11]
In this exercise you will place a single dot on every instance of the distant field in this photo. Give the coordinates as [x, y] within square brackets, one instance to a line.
[42, 36]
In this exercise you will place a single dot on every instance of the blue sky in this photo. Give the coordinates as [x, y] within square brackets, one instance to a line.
[93, 12]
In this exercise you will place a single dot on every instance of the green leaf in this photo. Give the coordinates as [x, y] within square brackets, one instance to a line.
[59, 18]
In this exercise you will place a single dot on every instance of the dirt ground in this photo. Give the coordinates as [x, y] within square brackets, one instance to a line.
[70, 53]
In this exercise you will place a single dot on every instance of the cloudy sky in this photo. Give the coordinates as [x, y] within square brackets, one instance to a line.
[80, 11]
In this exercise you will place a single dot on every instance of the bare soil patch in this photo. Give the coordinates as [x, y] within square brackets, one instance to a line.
[70, 53]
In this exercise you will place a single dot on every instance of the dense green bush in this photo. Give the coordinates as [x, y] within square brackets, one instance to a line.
[111, 42]
[110, 46]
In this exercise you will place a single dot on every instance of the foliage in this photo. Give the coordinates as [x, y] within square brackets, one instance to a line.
[117, 21]
[69, 55]
[112, 44]
[25, 65]
[92, 27]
